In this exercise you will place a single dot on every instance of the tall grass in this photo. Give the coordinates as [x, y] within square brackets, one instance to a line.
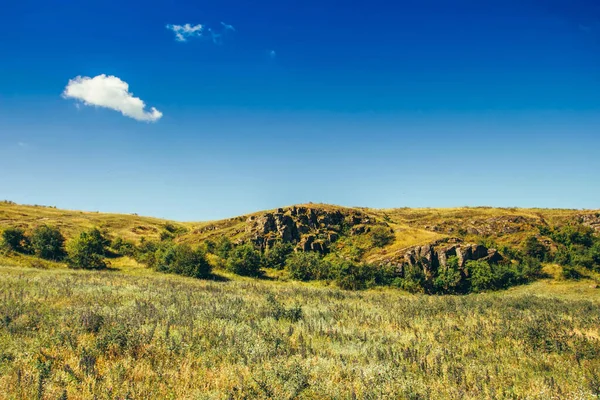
[108, 335]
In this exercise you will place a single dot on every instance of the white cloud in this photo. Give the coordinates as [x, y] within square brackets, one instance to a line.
[110, 92]
[227, 27]
[272, 54]
[183, 32]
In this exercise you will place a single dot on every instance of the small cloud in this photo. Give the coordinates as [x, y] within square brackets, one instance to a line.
[585, 28]
[227, 27]
[272, 54]
[110, 92]
[183, 32]
[22, 144]
[217, 38]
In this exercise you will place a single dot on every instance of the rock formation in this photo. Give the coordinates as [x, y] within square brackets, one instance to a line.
[435, 255]
[311, 229]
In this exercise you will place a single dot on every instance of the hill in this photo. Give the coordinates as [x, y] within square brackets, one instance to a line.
[133, 331]
[322, 228]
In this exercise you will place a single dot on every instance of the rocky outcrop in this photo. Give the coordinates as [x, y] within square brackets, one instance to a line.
[434, 256]
[592, 220]
[312, 229]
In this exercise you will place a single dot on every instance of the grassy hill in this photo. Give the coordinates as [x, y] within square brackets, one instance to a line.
[410, 227]
[133, 332]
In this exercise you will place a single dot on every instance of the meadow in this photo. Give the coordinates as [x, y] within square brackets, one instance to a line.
[133, 333]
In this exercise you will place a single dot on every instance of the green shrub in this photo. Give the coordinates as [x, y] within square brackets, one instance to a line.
[14, 239]
[48, 243]
[352, 276]
[481, 275]
[277, 254]
[571, 273]
[224, 247]
[87, 251]
[306, 266]
[413, 279]
[98, 242]
[381, 236]
[534, 248]
[189, 262]
[123, 247]
[450, 278]
[245, 260]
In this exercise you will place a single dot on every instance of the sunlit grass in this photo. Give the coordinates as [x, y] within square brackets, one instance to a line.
[135, 333]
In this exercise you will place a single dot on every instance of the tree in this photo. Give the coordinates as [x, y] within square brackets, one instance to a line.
[245, 260]
[14, 239]
[48, 243]
[224, 247]
[86, 252]
[98, 241]
[481, 275]
[190, 262]
[277, 254]
[534, 248]
[306, 266]
[449, 278]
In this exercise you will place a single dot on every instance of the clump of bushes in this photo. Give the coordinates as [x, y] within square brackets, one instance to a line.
[577, 246]
[475, 276]
[347, 274]
[276, 255]
[245, 260]
[14, 239]
[48, 243]
[170, 257]
[45, 242]
[88, 250]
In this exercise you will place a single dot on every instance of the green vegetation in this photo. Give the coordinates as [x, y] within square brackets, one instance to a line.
[276, 255]
[135, 333]
[338, 323]
[88, 251]
[245, 260]
[14, 239]
[48, 243]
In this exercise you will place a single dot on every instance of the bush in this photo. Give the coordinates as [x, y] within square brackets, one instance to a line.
[276, 256]
[413, 279]
[450, 278]
[306, 266]
[189, 262]
[534, 248]
[244, 260]
[224, 247]
[353, 276]
[98, 242]
[14, 239]
[87, 252]
[571, 273]
[381, 236]
[481, 275]
[48, 243]
[123, 247]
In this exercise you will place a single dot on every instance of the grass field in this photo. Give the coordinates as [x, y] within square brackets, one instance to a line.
[134, 333]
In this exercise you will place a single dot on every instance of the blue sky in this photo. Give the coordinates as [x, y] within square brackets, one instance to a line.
[379, 103]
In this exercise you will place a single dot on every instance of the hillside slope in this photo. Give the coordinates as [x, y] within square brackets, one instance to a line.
[321, 227]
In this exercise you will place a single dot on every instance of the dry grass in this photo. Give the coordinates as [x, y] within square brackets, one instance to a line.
[134, 333]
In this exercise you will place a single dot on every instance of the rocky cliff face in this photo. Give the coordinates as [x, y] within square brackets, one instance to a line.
[435, 255]
[592, 220]
[311, 229]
